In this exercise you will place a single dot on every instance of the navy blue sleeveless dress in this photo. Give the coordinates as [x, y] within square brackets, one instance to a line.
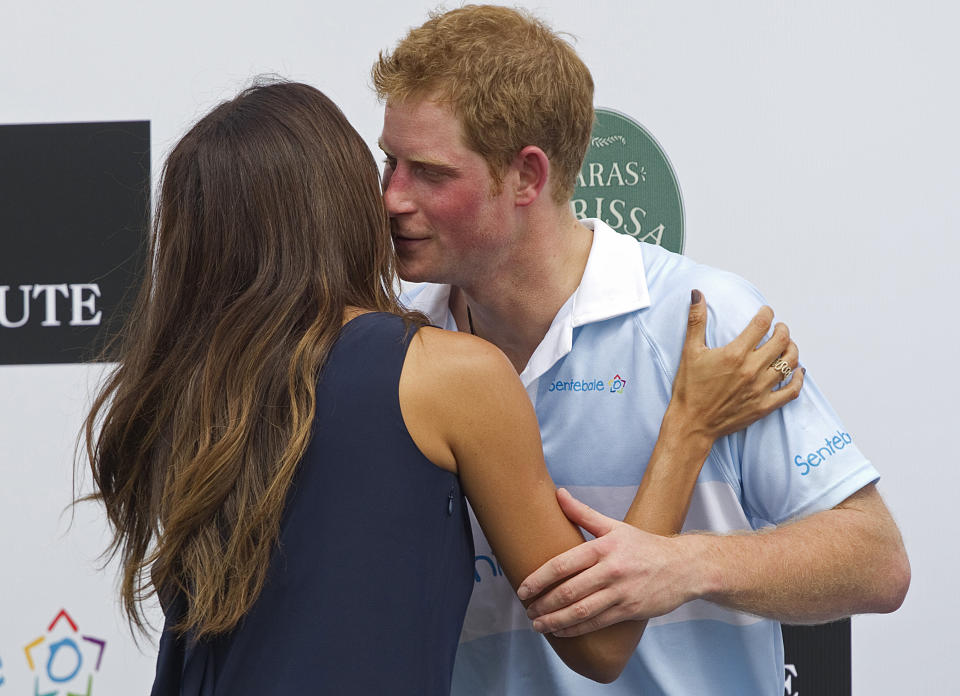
[368, 586]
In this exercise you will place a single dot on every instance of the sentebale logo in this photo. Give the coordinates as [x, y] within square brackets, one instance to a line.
[617, 384]
[627, 181]
[831, 445]
[586, 385]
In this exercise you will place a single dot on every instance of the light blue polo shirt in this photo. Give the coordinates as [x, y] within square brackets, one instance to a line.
[600, 382]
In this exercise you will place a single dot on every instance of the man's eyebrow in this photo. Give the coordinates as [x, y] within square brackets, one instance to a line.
[423, 161]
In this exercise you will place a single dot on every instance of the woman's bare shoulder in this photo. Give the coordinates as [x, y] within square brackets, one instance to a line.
[440, 355]
[450, 383]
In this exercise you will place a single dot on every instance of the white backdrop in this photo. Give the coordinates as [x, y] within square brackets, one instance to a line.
[816, 147]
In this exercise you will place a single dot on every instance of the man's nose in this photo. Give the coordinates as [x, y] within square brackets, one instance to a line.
[396, 194]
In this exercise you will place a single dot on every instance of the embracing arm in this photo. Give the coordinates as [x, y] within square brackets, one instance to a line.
[716, 391]
[481, 423]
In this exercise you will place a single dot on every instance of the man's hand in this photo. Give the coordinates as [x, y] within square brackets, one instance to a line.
[718, 391]
[624, 573]
[846, 560]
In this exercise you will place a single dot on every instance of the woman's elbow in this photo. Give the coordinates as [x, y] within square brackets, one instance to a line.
[608, 673]
[601, 665]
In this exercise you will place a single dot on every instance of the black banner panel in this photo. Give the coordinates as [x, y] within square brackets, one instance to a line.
[74, 211]
[817, 659]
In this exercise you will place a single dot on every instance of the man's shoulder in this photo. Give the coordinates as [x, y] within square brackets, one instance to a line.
[732, 301]
[671, 275]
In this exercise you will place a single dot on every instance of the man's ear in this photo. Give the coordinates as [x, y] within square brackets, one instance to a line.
[533, 171]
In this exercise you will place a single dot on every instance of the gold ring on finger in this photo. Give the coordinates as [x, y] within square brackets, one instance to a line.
[783, 367]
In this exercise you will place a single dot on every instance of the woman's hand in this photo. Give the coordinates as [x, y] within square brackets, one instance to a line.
[718, 391]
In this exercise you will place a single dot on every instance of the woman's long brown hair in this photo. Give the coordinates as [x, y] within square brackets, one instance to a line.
[269, 224]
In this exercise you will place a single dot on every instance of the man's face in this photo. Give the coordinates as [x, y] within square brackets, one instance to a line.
[446, 222]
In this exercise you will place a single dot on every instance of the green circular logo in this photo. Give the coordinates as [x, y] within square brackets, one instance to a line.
[627, 181]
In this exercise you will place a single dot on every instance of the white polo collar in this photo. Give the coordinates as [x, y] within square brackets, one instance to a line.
[613, 283]
[433, 300]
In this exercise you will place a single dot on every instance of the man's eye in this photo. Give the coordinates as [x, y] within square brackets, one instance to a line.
[390, 162]
[430, 174]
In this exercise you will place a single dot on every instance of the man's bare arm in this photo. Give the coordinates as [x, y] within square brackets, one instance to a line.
[835, 563]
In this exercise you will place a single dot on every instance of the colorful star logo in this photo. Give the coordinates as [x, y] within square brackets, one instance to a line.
[65, 657]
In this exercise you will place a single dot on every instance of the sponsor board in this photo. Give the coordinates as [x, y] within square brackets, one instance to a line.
[74, 215]
[627, 181]
[817, 659]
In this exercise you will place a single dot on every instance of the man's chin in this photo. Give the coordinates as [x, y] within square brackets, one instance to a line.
[410, 271]
[409, 275]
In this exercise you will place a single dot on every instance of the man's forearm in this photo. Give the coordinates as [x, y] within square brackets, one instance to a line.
[835, 563]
